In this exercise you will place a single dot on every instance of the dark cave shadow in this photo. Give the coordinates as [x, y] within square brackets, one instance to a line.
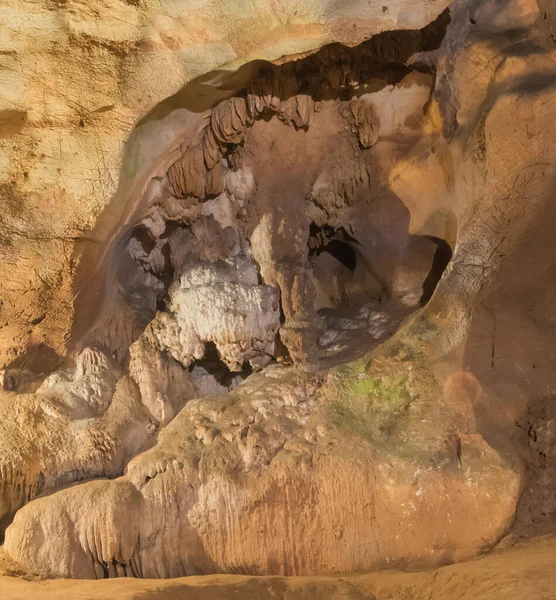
[442, 257]
[243, 589]
[532, 84]
[28, 370]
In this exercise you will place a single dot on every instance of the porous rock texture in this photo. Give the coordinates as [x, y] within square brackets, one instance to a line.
[298, 334]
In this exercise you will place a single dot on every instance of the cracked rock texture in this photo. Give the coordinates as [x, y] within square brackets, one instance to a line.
[292, 317]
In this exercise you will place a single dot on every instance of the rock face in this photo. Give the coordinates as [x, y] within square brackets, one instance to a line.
[222, 304]
[271, 479]
[298, 336]
[76, 77]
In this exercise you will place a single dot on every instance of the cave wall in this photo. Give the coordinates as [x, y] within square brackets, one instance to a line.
[76, 78]
[458, 148]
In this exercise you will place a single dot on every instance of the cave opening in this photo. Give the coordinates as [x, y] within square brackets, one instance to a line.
[215, 367]
[226, 271]
[270, 235]
[204, 210]
[343, 253]
[442, 257]
[364, 290]
[337, 242]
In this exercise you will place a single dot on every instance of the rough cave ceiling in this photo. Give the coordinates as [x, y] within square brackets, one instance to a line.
[301, 336]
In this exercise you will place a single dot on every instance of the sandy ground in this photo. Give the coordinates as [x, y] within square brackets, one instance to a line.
[526, 571]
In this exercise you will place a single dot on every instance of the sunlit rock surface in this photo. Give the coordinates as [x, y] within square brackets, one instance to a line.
[306, 326]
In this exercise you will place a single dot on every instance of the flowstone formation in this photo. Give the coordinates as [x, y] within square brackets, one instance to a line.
[290, 351]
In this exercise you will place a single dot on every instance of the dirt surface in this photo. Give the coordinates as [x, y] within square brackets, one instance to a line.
[525, 571]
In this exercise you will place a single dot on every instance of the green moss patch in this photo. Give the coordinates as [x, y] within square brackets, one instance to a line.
[364, 405]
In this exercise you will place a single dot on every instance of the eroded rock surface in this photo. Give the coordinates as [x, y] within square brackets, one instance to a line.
[222, 304]
[275, 469]
[307, 343]
[76, 78]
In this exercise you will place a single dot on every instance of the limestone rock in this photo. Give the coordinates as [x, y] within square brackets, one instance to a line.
[163, 383]
[368, 227]
[364, 122]
[57, 437]
[222, 304]
[225, 465]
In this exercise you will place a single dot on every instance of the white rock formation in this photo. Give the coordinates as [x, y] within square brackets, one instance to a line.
[222, 303]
